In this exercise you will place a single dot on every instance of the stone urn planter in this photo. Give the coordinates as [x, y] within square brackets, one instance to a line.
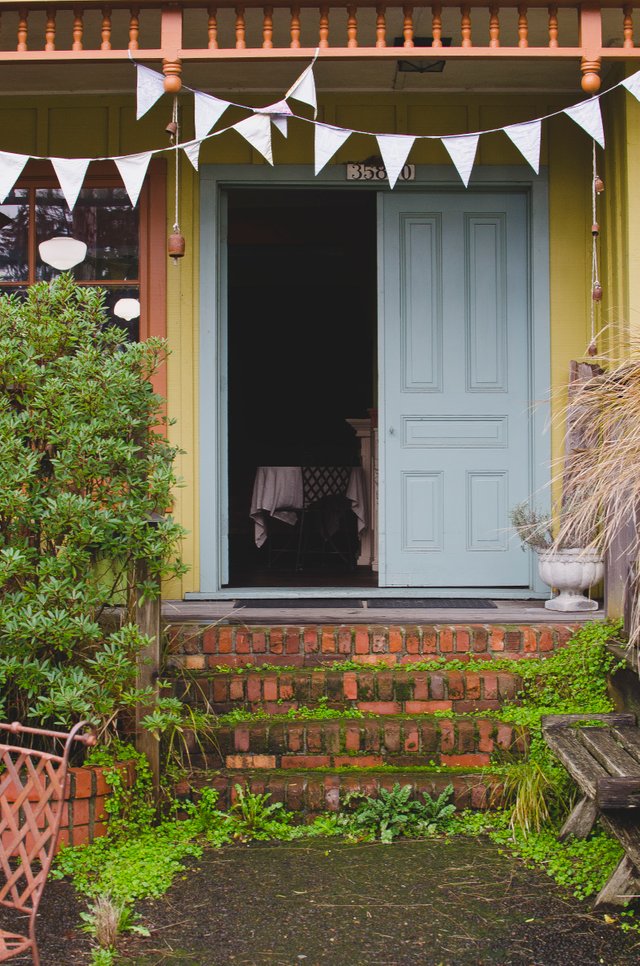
[571, 572]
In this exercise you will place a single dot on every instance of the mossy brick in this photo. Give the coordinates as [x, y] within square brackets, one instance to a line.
[508, 685]
[466, 732]
[270, 688]
[392, 736]
[242, 738]
[429, 736]
[366, 686]
[250, 761]
[311, 638]
[295, 738]
[332, 793]
[404, 688]
[314, 737]
[427, 707]
[504, 736]
[220, 689]
[429, 641]
[379, 707]
[329, 641]
[445, 635]
[437, 687]
[286, 690]
[316, 689]
[462, 640]
[332, 737]
[345, 641]
[412, 642]
[315, 795]
[276, 640]
[489, 685]
[371, 731]
[350, 686]
[362, 641]
[513, 641]
[479, 639]
[447, 736]
[455, 686]
[411, 738]
[305, 761]
[476, 760]
[485, 735]
[352, 737]
[472, 685]
[334, 688]
[259, 642]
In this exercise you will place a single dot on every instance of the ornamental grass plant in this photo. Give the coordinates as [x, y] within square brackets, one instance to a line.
[84, 466]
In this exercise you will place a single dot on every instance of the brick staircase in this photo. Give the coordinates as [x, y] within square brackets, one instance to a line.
[420, 725]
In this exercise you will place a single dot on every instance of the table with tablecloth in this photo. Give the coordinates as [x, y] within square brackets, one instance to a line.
[279, 492]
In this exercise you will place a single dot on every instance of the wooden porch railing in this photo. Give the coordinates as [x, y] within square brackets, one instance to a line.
[173, 33]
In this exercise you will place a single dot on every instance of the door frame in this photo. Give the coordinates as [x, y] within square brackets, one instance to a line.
[215, 180]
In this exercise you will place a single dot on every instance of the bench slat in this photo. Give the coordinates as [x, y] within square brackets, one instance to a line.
[622, 718]
[619, 793]
[624, 826]
[603, 746]
[582, 767]
[630, 739]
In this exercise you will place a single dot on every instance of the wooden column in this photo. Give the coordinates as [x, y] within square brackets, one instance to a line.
[147, 618]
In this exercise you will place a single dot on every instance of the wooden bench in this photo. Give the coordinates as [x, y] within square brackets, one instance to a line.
[604, 761]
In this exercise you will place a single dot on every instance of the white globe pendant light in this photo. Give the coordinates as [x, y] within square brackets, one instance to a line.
[62, 252]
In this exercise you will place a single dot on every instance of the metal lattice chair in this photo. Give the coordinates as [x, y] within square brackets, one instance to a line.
[32, 787]
[325, 503]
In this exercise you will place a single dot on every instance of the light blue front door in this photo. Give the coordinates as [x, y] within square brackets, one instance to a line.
[455, 402]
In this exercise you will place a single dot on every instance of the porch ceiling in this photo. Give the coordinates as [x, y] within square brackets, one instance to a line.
[459, 75]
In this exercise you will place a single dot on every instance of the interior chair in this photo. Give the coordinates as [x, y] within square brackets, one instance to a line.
[32, 786]
[326, 527]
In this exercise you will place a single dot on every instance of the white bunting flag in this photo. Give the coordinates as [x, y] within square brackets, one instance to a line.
[304, 90]
[133, 169]
[633, 84]
[207, 111]
[11, 166]
[150, 88]
[70, 173]
[526, 138]
[192, 151]
[394, 149]
[278, 112]
[462, 151]
[327, 141]
[257, 131]
[587, 115]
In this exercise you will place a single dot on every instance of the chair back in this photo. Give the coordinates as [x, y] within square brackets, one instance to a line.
[319, 482]
[32, 788]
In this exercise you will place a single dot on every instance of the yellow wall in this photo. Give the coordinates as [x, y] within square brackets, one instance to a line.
[101, 125]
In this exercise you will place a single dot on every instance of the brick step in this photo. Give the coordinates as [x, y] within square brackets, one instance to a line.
[311, 792]
[197, 646]
[380, 692]
[398, 741]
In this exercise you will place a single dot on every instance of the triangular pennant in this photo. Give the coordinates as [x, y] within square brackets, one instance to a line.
[526, 138]
[278, 112]
[133, 169]
[150, 88]
[588, 116]
[462, 151]
[304, 90]
[257, 131]
[633, 84]
[11, 166]
[192, 151]
[327, 141]
[394, 149]
[207, 111]
[70, 173]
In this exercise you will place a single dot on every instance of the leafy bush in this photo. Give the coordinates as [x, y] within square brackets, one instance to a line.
[393, 814]
[82, 470]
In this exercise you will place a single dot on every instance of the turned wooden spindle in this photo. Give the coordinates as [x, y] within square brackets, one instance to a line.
[553, 26]
[352, 27]
[381, 27]
[212, 28]
[436, 26]
[407, 26]
[267, 28]
[523, 26]
[105, 30]
[294, 28]
[23, 30]
[50, 29]
[78, 28]
[241, 42]
[627, 26]
[494, 26]
[323, 29]
[134, 28]
[465, 27]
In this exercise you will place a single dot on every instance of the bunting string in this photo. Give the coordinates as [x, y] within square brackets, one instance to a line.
[328, 138]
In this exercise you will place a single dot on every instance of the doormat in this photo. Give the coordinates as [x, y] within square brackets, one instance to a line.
[300, 603]
[418, 603]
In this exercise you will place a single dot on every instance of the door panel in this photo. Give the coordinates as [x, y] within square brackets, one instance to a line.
[455, 420]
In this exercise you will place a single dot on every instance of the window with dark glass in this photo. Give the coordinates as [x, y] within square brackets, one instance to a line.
[40, 237]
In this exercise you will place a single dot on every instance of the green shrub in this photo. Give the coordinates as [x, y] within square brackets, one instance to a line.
[82, 469]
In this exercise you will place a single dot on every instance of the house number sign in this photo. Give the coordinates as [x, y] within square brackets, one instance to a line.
[377, 172]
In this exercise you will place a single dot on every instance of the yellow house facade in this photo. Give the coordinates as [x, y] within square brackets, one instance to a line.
[258, 239]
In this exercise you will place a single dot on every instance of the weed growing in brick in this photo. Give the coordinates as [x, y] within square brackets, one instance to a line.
[394, 813]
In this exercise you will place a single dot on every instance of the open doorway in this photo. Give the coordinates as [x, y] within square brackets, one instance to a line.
[302, 324]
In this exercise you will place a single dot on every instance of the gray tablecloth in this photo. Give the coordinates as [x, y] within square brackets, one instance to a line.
[278, 492]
